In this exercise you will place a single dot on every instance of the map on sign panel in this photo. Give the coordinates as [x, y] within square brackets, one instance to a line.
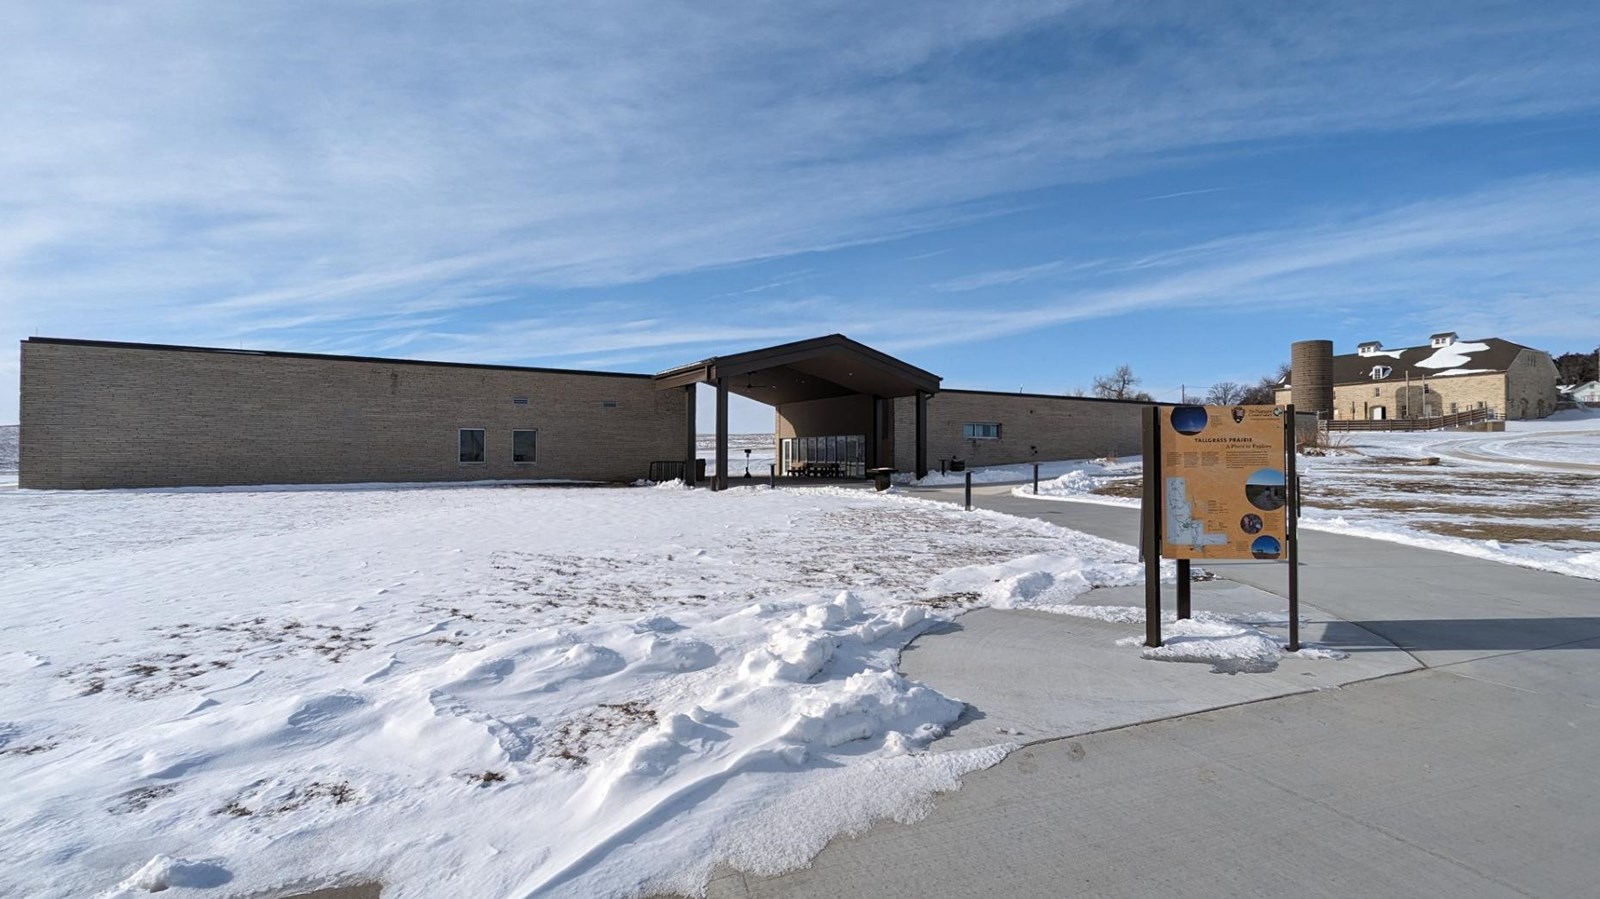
[1182, 527]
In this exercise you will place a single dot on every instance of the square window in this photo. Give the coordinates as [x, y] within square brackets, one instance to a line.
[523, 444]
[471, 444]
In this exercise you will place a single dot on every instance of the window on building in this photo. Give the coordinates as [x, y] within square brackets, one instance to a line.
[472, 443]
[523, 444]
[1377, 391]
[1453, 409]
[980, 430]
[1379, 372]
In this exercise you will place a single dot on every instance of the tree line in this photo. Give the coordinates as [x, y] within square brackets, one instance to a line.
[1122, 384]
[1578, 368]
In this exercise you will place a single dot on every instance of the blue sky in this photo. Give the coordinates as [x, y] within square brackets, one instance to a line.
[1012, 195]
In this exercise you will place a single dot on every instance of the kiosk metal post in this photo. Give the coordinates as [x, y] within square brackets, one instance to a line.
[1291, 522]
[1150, 521]
[1183, 589]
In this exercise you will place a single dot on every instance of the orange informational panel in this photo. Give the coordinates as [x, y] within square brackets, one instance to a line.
[1223, 488]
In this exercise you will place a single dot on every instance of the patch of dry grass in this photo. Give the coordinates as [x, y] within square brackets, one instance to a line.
[1461, 501]
[1509, 532]
[1126, 488]
[573, 741]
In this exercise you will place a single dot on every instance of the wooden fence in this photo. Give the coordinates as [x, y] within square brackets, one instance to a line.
[1456, 420]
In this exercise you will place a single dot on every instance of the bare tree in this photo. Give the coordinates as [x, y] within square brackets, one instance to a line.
[1118, 385]
[1265, 391]
[1226, 393]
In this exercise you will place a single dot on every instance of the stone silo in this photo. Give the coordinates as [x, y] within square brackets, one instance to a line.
[1311, 376]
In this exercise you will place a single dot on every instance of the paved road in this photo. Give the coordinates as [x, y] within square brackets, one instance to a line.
[1476, 775]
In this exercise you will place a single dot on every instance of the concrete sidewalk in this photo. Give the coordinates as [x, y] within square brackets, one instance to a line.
[1473, 776]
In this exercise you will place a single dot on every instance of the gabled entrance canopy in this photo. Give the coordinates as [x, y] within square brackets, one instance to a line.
[806, 370]
[820, 368]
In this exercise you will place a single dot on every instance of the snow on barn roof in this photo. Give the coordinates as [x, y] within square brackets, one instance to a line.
[1490, 355]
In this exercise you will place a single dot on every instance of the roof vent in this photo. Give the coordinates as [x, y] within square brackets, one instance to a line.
[1379, 372]
[1444, 339]
[1370, 347]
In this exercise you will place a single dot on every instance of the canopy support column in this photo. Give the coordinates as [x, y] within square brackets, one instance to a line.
[922, 434]
[691, 450]
[875, 435]
[722, 434]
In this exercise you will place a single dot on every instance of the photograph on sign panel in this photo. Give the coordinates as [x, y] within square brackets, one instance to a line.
[1266, 547]
[1265, 489]
[1251, 523]
[1189, 419]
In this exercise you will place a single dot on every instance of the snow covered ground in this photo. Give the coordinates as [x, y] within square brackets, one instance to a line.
[761, 447]
[1522, 497]
[480, 691]
[1048, 470]
[1510, 497]
[8, 455]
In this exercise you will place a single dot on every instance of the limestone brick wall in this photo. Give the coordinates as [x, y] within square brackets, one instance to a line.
[129, 416]
[1531, 385]
[1033, 427]
[1457, 393]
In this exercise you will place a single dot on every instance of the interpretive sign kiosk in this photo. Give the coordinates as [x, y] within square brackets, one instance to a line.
[1219, 483]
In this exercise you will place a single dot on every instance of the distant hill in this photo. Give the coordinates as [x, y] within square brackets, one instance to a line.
[8, 448]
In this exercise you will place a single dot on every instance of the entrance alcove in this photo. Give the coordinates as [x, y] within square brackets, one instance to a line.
[833, 401]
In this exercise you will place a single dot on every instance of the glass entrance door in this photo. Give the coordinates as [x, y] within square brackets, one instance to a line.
[836, 456]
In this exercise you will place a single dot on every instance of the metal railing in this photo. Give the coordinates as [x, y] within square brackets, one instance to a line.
[667, 471]
[1454, 420]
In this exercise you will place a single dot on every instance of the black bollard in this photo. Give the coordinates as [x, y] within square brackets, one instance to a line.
[969, 491]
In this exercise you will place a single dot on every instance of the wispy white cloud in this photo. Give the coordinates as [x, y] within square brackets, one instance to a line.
[1187, 193]
[999, 277]
[1464, 259]
[283, 153]
[201, 170]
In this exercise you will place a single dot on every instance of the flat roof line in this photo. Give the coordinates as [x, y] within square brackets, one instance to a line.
[1059, 396]
[327, 357]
